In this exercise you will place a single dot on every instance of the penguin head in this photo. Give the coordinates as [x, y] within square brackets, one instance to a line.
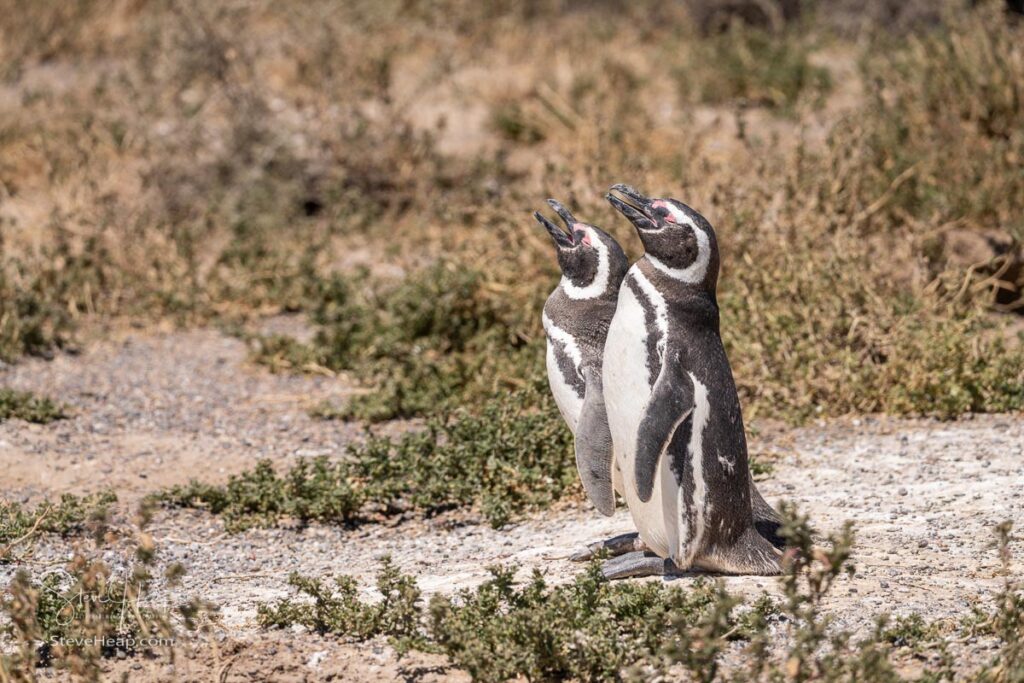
[592, 262]
[677, 240]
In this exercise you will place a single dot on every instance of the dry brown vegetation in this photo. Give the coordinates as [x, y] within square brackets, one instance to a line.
[374, 165]
[219, 161]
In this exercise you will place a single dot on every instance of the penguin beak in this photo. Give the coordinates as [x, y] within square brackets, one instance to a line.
[571, 224]
[638, 209]
[565, 214]
[560, 238]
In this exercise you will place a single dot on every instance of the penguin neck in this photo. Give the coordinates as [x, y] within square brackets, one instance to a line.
[586, 321]
[561, 298]
[667, 279]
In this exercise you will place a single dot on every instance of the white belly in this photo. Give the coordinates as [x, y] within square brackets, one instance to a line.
[568, 402]
[660, 520]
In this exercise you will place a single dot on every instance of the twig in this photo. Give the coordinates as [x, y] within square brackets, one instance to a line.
[223, 675]
[229, 577]
[877, 205]
[31, 532]
[185, 541]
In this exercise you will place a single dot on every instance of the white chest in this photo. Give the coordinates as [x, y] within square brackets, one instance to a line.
[628, 391]
[626, 378]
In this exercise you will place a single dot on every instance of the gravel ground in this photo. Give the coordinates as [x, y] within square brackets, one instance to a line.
[151, 410]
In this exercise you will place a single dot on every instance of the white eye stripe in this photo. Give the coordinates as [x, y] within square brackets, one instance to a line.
[679, 217]
[678, 214]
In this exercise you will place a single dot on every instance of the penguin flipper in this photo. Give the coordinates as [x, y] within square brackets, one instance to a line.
[669, 410]
[594, 446]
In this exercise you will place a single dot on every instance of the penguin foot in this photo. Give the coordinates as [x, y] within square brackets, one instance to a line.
[613, 547]
[637, 563]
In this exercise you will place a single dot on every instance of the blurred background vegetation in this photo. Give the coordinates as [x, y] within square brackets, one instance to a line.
[373, 166]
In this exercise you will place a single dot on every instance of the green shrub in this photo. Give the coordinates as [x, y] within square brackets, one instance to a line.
[428, 344]
[71, 515]
[23, 405]
[585, 630]
[593, 630]
[910, 631]
[32, 319]
[514, 455]
[312, 490]
[339, 610]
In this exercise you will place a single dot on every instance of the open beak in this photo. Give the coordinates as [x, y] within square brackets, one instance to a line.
[561, 239]
[563, 212]
[637, 208]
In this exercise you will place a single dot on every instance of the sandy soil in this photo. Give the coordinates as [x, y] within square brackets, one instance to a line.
[154, 409]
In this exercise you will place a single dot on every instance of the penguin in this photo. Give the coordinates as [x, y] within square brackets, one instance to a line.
[672, 407]
[576, 317]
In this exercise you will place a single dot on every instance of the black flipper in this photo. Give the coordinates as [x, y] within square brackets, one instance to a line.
[594, 446]
[670, 407]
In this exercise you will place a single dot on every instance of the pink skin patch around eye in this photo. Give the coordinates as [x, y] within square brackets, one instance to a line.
[586, 234]
[663, 205]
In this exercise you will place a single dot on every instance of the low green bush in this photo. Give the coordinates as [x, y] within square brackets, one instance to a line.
[511, 456]
[23, 405]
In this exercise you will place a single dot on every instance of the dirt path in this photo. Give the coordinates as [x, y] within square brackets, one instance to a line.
[153, 410]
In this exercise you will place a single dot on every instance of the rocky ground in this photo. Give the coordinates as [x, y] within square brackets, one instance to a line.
[151, 409]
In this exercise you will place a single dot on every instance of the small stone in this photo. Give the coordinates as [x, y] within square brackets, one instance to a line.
[902, 491]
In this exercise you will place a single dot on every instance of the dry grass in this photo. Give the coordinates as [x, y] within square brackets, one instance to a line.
[374, 166]
[220, 162]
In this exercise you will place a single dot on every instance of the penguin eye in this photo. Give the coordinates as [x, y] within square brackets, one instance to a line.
[663, 213]
[582, 236]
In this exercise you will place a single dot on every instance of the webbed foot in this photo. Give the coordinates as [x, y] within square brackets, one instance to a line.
[612, 547]
[635, 564]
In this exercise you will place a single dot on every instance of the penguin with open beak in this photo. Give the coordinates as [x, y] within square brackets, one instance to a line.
[576, 318]
[672, 407]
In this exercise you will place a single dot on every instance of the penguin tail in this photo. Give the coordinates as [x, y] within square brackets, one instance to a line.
[751, 554]
[766, 519]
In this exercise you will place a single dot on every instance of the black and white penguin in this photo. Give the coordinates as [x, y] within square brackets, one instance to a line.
[576, 318]
[672, 407]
